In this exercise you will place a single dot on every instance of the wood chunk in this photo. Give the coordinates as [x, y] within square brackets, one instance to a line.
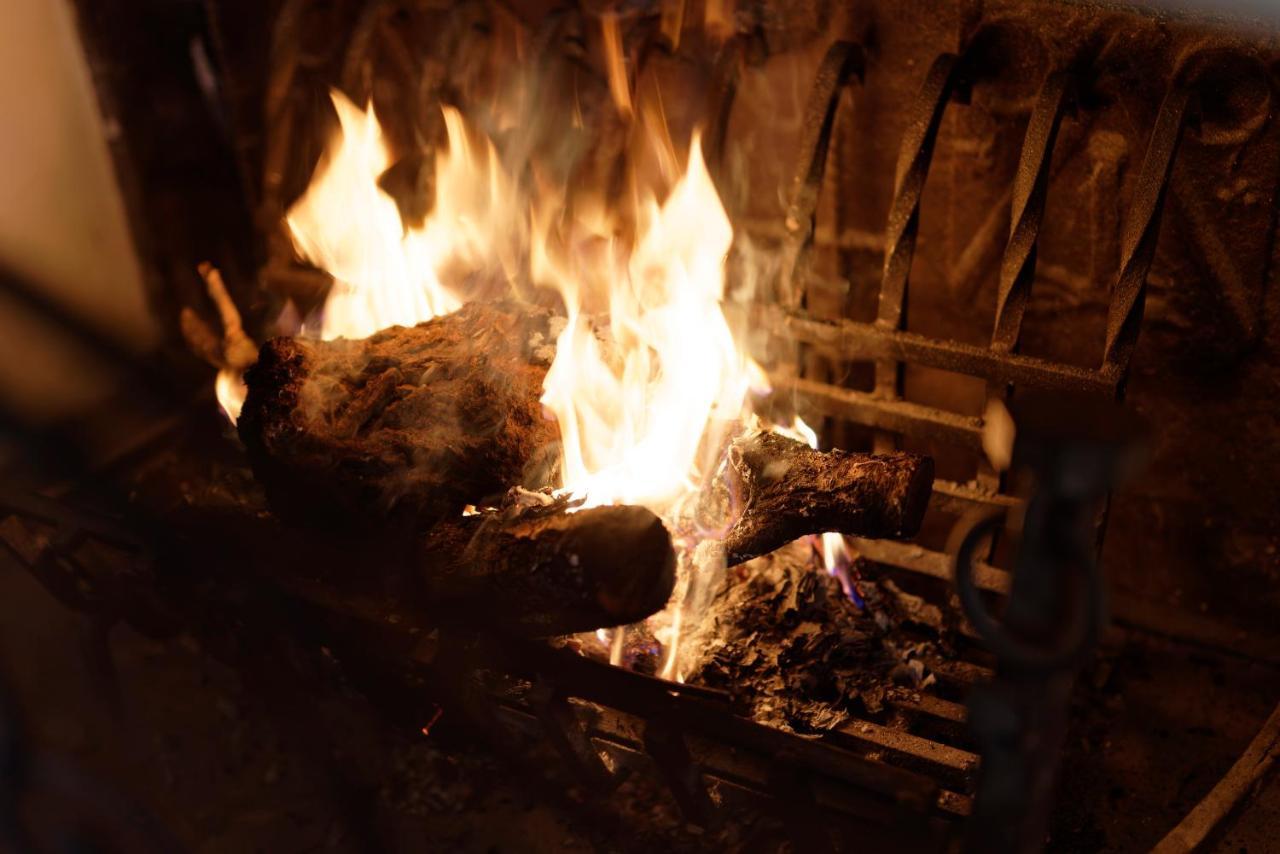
[788, 490]
[547, 571]
[407, 426]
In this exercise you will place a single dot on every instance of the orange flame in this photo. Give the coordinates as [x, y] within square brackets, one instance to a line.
[634, 415]
[649, 379]
[230, 390]
[384, 272]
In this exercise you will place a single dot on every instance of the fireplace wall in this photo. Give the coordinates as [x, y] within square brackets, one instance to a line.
[1199, 529]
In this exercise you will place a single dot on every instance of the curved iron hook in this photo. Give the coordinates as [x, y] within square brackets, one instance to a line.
[1084, 630]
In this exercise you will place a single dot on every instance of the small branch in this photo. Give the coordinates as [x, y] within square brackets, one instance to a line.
[234, 351]
[238, 349]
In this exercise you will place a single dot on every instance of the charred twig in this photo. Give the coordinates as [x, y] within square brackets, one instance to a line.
[789, 490]
[235, 350]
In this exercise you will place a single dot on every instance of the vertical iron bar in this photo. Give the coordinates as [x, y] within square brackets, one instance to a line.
[561, 727]
[843, 63]
[904, 214]
[1030, 188]
[666, 744]
[1141, 230]
[1018, 267]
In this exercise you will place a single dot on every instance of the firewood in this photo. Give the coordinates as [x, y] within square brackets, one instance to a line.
[234, 350]
[545, 571]
[788, 490]
[407, 426]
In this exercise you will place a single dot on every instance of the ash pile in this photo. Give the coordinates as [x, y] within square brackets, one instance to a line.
[797, 651]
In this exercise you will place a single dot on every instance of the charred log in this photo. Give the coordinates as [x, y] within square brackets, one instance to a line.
[406, 426]
[789, 490]
[546, 571]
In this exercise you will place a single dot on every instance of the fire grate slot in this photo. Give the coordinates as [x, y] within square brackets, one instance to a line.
[876, 766]
[924, 736]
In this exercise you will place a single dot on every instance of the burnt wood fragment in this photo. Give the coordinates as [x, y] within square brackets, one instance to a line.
[406, 426]
[788, 490]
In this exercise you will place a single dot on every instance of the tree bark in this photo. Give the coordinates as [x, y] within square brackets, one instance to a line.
[406, 426]
[548, 571]
[788, 490]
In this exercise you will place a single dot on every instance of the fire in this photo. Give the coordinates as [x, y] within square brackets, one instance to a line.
[386, 273]
[633, 416]
[650, 379]
[230, 390]
[641, 415]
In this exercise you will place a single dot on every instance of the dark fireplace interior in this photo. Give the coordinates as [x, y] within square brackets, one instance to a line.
[969, 304]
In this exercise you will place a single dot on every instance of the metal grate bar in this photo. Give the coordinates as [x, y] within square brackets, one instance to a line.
[1141, 228]
[1030, 188]
[958, 674]
[957, 498]
[678, 706]
[924, 561]
[904, 212]
[897, 416]
[932, 707]
[955, 764]
[853, 340]
[842, 65]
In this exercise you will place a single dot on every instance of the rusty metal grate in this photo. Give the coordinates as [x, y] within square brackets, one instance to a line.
[891, 347]
[915, 761]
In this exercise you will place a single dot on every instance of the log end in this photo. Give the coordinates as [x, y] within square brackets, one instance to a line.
[918, 480]
[545, 572]
[789, 490]
[634, 559]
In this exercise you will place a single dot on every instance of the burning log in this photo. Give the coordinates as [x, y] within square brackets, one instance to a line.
[407, 426]
[789, 490]
[542, 570]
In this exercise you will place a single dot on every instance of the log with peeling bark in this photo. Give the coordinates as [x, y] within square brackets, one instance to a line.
[547, 571]
[787, 490]
[407, 426]
[529, 571]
